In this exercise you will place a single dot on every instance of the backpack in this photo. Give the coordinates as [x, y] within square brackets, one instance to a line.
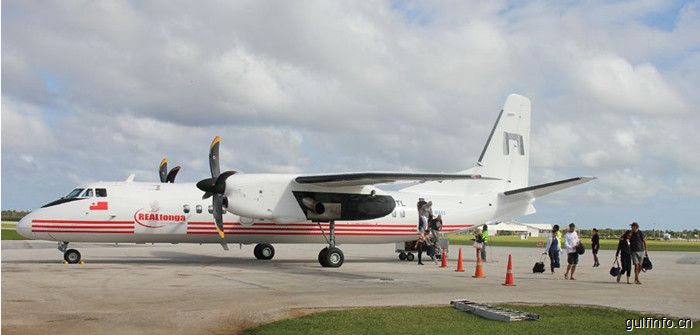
[580, 249]
[646, 264]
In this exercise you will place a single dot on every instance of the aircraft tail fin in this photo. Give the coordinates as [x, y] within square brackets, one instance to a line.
[506, 154]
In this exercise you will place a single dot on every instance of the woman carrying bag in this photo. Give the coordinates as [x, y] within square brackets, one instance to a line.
[625, 254]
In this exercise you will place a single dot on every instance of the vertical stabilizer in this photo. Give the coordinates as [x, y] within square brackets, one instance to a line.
[506, 154]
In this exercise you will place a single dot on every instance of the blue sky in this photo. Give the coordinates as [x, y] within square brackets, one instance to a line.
[96, 91]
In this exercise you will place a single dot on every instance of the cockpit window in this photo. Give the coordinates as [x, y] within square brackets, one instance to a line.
[88, 193]
[101, 192]
[74, 193]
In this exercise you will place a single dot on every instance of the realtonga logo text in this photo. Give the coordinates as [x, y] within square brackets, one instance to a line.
[153, 219]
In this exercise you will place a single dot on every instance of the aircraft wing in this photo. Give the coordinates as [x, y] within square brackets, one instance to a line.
[547, 188]
[373, 178]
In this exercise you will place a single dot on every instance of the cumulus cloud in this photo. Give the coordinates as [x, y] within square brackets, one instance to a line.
[100, 89]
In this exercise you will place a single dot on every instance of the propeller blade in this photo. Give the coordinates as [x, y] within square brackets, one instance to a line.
[218, 202]
[171, 175]
[207, 195]
[163, 170]
[214, 157]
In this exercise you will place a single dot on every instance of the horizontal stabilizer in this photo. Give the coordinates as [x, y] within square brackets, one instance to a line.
[544, 189]
[373, 178]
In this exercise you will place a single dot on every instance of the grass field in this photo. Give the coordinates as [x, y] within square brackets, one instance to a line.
[8, 231]
[447, 320]
[607, 244]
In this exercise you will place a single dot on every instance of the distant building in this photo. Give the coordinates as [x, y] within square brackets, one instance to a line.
[520, 229]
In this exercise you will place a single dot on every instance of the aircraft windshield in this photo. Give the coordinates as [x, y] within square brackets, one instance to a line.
[74, 193]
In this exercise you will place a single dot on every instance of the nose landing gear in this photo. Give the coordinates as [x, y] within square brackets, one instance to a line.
[71, 256]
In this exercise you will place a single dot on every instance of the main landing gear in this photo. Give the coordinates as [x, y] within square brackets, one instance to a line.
[330, 257]
[71, 256]
[264, 251]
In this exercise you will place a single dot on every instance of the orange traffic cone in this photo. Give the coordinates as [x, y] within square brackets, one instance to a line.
[479, 273]
[510, 280]
[443, 259]
[460, 267]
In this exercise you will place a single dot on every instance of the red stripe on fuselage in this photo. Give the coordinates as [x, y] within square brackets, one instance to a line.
[80, 221]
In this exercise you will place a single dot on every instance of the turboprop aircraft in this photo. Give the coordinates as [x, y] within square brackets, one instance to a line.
[331, 209]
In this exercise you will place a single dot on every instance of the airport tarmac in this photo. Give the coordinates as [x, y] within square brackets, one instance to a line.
[193, 289]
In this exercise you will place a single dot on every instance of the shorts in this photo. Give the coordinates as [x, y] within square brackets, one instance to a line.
[637, 257]
[572, 258]
[478, 245]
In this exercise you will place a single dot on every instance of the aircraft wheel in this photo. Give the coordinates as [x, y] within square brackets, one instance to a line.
[264, 251]
[333, 258]
[402, 256]
[72, 256]
[322, 257]
[410, 257]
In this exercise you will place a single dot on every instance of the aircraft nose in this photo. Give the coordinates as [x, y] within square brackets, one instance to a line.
[24, 227]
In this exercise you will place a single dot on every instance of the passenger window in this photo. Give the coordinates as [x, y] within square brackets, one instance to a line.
[198, 208]
[88, 193]
[101, 192]
[211, 209]
[186, 209]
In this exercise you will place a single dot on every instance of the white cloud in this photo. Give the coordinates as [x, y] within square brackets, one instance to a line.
[97, 90]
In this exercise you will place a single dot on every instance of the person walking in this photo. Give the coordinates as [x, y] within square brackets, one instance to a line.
[419, 206]
[638, 248]
[485, 241]
[571, 241]
[553, 248]
[559, 236]
[421, 246]
[624, 252]
[478, 242]
[595, 246]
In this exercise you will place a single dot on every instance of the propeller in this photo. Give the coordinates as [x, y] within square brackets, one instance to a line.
[165, 176]
[163, 170]
[215, 186]
[171, 175]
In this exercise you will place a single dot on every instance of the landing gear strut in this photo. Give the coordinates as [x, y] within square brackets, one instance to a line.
[71, 256]
[330, 257]
[264, 251]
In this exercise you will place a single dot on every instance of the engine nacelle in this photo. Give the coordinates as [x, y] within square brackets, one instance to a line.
[263, 197]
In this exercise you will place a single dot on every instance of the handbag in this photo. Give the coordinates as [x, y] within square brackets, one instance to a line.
[646, 264]
[580, 249]
[615, 269]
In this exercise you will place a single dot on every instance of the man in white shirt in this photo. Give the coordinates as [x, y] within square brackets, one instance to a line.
[571, 241]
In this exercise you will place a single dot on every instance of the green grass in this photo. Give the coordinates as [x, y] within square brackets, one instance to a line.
[447, 320]
[606, 244]
[8, 231]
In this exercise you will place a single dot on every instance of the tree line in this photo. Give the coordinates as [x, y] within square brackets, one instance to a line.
[13, 215]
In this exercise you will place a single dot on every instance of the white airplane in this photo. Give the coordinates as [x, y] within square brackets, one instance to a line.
[332, 209]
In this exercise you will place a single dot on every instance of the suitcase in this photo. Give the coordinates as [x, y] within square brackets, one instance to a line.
[539, 266]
